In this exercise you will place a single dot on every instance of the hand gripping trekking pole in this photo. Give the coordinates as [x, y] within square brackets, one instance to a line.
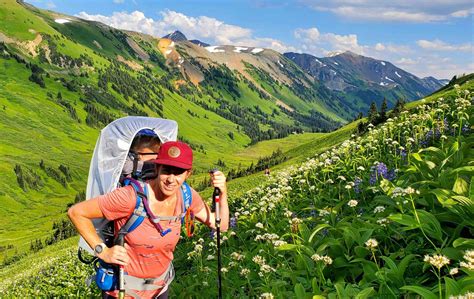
[120, 241]
[216, 205]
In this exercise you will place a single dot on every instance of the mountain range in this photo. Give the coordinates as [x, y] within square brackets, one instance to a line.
[353, 79]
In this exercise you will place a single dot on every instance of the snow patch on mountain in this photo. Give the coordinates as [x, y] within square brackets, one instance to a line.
[257, 50]
[213, 49]
[62, 21]
[382, 62]
[240, 49]
[397, 74]
[387, 78]
[335, 53]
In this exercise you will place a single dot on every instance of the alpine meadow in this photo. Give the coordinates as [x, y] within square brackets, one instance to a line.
[370, 194]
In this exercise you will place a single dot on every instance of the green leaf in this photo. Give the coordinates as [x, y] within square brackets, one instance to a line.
[460, 186]
[468, 169]
[463, 243]
[463, 200]
[391, 264]
[361, 251]
[471, 190]
[299, 291]
[452, 287]
[314, 285]
[417, 157]
[341, 292]
[405, 220]
[365, 293]
[318, 228]
[288, 247]
[430, 224]
[403, 265]
[444, 197]
[424, 293]
[430, 164]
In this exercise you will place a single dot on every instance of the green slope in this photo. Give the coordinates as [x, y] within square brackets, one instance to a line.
[52, 126]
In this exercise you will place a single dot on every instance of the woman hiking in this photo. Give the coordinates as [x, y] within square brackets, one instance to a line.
[148, 250]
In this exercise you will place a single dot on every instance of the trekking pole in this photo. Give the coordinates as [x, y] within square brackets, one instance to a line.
[216, 204]
[121, 284]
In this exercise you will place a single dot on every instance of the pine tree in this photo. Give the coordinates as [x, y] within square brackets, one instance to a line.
[373, 113]
[383, 111]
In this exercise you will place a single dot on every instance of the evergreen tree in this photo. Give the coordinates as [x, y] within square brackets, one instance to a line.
[383, 111]
[373, 113]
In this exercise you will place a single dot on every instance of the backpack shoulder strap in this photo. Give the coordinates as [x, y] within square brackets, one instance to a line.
[187, 195]
[139, 213]
[187, 198]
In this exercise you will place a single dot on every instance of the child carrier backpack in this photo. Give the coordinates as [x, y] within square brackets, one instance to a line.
[110, 155]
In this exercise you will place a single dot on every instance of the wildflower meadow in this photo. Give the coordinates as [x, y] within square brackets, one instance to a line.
[388, 214]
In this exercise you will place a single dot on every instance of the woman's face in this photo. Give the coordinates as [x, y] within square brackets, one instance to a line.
[171, 178]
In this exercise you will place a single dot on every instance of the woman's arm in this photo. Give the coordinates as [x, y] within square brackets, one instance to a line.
[218, 180]
[81, 215]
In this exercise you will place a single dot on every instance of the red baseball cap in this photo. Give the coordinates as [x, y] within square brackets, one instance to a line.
[175, 153]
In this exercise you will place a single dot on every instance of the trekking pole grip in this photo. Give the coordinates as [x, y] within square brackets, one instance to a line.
[121, 282]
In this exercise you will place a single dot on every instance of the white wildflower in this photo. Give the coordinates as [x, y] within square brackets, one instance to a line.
[371, 243]
[437, 260]
[379, 209]
[352, 203]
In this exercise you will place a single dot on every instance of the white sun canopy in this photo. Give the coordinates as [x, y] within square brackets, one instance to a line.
[111, 152]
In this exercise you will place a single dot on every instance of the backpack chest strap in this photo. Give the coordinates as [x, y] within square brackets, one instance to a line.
[167, 218]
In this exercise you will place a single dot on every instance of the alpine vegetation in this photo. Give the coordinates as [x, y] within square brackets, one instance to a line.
[385, 215]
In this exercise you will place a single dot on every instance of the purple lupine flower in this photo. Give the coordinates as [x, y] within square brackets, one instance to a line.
[233, 222]
[425, 142]
[382, 169]
[212, 234]
[465, 128]
[313, 211]
[446, 124]
[357, 182]
[373, 176]
[403, 153]
[437, 134]
[391, 175]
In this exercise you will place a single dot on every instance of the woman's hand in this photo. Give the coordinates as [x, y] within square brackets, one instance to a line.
[218, 180]
[115, 255]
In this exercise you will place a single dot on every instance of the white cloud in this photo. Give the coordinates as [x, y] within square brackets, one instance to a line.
[203, 28]
[420, 11]
[323, 43]
[421, 61]
[405, 61]
[438, 45]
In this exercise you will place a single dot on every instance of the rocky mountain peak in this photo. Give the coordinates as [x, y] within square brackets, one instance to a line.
[176, 36]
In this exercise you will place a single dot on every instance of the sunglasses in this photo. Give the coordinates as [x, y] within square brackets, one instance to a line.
[146, 154]
[189, 223]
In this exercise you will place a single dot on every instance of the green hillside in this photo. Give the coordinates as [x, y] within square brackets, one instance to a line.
[357, 217]
[62, 82]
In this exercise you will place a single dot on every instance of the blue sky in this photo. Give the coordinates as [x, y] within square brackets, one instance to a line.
[424, 37]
